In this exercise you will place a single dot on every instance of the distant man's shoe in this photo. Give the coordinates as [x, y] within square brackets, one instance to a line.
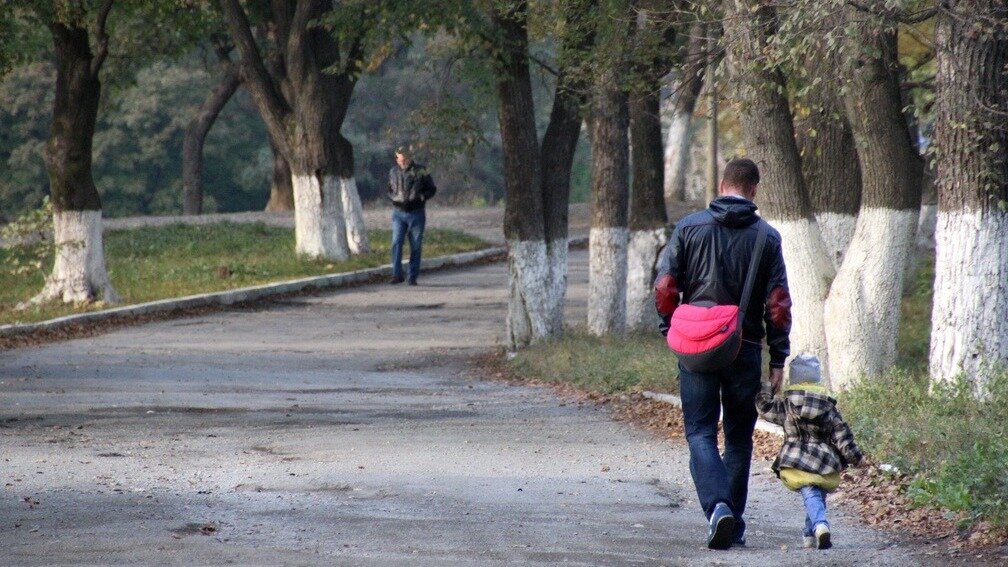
[396, 280]
[822, 537]
[412, 281]
[722, 527]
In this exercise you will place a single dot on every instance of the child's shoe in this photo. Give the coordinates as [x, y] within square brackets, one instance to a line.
[822, 537]
[809, 542]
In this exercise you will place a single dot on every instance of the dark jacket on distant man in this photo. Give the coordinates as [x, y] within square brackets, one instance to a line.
[706, 261]
[410, 188]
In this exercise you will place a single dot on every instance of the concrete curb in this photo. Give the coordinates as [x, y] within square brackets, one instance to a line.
[674, 400]
[245, 294]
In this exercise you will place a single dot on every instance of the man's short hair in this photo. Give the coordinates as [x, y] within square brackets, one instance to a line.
[404, 150]
[741, 173]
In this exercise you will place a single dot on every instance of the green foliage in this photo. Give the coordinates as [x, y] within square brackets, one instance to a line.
[952, 443]
[28, 242]
[172, 261]
[611, 364]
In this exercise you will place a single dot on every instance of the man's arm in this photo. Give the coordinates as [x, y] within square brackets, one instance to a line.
[668, 281]
[427, 189]
[777, 314]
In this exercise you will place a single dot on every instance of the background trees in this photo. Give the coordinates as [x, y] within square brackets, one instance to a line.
[849, 107]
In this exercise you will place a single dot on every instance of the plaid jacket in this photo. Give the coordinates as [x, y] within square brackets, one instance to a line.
[816, 438]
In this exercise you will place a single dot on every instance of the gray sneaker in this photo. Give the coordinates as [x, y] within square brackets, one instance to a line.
[822, 537]
[722, 527]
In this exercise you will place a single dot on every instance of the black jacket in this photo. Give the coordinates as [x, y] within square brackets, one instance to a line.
[410, 188]
[707, 259]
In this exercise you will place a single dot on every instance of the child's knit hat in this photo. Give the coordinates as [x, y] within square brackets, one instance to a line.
[804, 369]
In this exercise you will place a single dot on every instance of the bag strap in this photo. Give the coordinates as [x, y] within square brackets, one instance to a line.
[753, 266]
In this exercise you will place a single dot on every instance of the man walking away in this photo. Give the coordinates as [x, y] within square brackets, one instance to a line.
[706, 261]
[410, 186]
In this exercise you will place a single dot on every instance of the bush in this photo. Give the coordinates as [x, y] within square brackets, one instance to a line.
[951, 443]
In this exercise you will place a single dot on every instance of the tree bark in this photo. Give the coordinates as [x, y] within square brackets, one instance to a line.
[969, 335]
[863, 306]
[303, 112]
[768, 133]
[79, 271]
[609, 235]
[829, 160]
[281, 196]
[647, 218]
[529, 317]
[195, 136]
[680, 133]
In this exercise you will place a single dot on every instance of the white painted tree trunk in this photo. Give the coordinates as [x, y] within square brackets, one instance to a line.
[79, 273]
[556, 257]
[862, 311]
[837, 233]
[607, 279]
[319, 226]
[969, 320]
[810, 273]
[677, 154]
[642, 255]
[353, 213]
[532, 292]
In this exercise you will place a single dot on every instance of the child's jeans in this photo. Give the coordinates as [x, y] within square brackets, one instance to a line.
[815, 508]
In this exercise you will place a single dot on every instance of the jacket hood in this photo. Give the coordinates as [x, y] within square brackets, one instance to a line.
[734, 211]
[799, 398]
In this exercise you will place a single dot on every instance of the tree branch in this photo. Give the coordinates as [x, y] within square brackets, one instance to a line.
[257, 79]
[101, 32]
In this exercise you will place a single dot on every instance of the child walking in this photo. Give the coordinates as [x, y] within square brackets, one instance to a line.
[818, 443]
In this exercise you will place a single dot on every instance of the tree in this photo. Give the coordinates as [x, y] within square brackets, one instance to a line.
[536, 176]
[647, 218]
[970, 317]
[79, 272]
[303, 114]
[862, 309]
[608, 125]
[686, 91]
[198, 127]
[768, 132]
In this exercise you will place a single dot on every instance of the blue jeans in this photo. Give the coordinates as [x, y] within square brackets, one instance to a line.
[407, 223]
[716, 478]
[815, 508]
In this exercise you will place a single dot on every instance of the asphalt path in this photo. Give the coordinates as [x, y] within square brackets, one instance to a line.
[349, 428]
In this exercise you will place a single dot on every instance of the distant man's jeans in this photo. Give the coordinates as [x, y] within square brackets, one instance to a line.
[815, 508]
[409, 223]
[720, 479]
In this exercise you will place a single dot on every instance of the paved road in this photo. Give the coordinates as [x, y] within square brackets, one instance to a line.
[346, 428]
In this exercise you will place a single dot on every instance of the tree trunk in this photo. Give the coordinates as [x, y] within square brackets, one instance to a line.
[863, 307]
[304, 110]
[195, 136]
[680, 133]
[768, 133]
[829, 160]
[529, 280]
[353, 211]
[969, 321]
[712, 119]
[609, 235]
[647, 219]
[79, 272]
[557, 157]
[281, 191]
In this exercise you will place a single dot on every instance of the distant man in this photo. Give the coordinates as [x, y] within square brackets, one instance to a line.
[707, 260]
[410, 187]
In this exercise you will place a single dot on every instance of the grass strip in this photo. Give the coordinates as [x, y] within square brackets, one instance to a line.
[152, 263]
